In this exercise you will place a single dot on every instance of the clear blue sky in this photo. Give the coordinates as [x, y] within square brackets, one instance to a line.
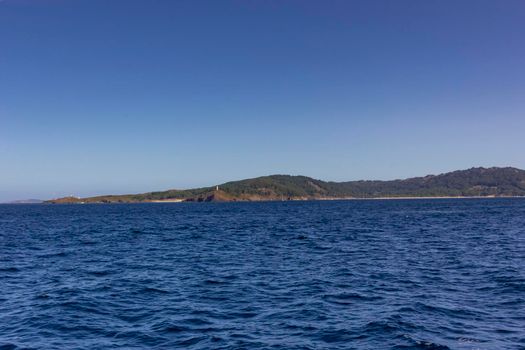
[131, 96]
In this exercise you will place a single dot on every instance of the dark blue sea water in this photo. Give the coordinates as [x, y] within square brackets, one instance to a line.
[398, 274]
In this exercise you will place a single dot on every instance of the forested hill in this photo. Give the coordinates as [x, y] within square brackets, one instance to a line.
[471, 182]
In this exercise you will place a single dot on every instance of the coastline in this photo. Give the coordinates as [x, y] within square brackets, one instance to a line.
[296, 200]
[432, 197]
[492, 182]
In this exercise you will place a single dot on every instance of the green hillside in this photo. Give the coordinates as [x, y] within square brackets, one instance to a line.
[471, 182]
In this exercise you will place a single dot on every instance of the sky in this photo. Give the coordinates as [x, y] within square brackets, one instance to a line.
[128, 96]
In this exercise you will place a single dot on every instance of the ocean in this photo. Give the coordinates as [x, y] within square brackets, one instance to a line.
[364, 274]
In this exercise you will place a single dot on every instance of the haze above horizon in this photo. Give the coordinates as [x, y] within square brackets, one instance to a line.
[133, 96]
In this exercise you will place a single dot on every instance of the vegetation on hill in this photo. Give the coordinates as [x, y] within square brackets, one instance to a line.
[471, 182]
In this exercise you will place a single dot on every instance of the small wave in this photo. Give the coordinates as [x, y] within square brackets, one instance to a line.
[54, 255]
[210, 281]
[242, 314]
[99, 273]
[146, 290]
[175, 329]
[196, 321]
[348, 298]
[191, 341]
[9, 269]
[380, 327]
[419, 345]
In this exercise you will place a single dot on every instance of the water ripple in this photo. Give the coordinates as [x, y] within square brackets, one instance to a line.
[426, 274]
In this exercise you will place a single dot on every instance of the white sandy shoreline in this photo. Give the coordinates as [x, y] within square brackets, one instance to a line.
[335, 199]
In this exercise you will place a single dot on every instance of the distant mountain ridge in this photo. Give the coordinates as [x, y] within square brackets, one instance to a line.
[474, 182]
[26, 201]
